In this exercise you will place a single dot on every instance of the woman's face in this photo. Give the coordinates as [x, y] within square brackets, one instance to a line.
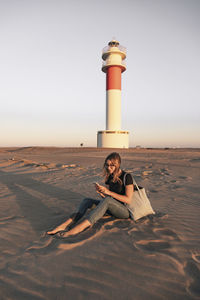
[110, 167]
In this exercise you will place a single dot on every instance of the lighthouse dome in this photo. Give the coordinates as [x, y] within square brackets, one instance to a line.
[113, 43]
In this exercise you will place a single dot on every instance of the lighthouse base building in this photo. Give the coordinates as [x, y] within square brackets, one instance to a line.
[113, 65]
[112, 139]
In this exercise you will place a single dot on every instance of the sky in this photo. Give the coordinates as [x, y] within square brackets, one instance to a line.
[52, 89]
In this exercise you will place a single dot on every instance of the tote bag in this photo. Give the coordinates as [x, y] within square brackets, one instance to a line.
[140, 205]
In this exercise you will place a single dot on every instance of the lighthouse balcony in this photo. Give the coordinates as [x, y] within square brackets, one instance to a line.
[119, 48]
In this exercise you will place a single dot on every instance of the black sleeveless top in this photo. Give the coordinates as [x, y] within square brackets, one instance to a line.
[116, 187]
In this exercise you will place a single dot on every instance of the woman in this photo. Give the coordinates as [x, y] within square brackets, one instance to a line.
[117, 193]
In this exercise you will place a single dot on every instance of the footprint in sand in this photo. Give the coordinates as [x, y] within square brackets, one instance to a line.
[193, 276]
[160, 242]
[160, 246]
[152, 245]
[166, 233]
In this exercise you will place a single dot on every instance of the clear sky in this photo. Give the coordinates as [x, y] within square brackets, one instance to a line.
[52, 89]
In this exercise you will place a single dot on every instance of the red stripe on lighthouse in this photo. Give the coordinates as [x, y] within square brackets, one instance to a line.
[113, 78]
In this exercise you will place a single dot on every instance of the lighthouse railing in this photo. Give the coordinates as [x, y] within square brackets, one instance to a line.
[120, 47]
[105, 63]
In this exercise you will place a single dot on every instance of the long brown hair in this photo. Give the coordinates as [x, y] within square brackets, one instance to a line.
[115, 158]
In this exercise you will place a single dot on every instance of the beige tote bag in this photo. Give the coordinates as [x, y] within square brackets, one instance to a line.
[140, 205]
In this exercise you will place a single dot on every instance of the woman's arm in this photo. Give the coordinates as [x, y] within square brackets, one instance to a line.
[123, 198]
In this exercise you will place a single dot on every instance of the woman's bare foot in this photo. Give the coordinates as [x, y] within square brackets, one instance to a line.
[61, 227]
[77, 229]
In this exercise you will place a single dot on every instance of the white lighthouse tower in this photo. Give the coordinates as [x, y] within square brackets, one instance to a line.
[113, 65]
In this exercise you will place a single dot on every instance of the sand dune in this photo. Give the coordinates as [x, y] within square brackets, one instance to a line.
[157, 257]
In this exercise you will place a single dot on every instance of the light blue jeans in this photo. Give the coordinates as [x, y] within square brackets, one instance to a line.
[108, 204]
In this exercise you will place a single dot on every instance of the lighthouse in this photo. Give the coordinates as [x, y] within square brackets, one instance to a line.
[113, 65]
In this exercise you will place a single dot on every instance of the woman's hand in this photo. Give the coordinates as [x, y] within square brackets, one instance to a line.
[97, 190]
[102, 189]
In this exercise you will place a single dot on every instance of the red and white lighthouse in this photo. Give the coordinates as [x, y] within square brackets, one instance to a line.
[113, 65]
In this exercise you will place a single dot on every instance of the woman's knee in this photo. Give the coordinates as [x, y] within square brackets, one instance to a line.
[117, 208]
[107, 202]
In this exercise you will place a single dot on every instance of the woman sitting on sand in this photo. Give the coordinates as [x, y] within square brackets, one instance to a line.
[114, 198]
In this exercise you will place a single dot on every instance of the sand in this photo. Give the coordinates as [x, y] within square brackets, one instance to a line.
[155, 258]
